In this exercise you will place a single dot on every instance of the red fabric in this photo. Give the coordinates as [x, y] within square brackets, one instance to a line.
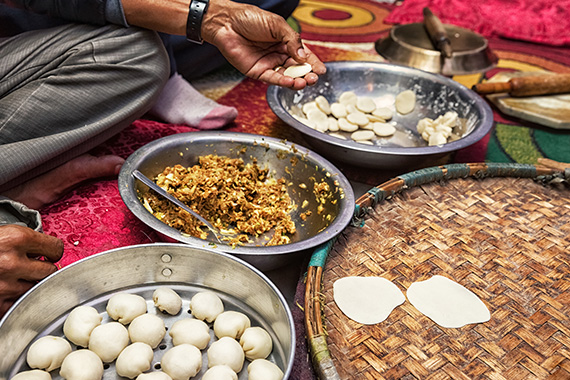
[540, 21]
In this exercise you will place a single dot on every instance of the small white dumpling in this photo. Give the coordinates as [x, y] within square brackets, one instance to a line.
[190, 331]
[182, 362]
[48, 352]
[125, 307]
[220, 372]
[79, 324]
[256, 343]
[226, 351]
[108, 340]
[231, 323]
[82, 365]
[206, 306]
[34, 374]
[261, 369]
[156, 375]
[134, 360]
[147, 328]
[167, 300]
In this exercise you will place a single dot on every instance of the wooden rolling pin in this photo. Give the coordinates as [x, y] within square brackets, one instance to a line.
[527, 86]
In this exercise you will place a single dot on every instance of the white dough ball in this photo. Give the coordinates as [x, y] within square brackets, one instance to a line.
[182, 362]
[206, 306]
[156, 375]
[82, 365]
[167, 300]
[226, 351]
[190, 331]
[147, 328]
[108, 340]
[48, 352]
[405, 102]
[34, 374]
[256, 343]
[125, 307]
[231, 323]
[79, 324]
[134, 360]
[220, 372]
[261, 369]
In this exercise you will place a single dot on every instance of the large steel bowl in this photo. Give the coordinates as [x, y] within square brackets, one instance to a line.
[298, 165]
[405, 150]
[140, 270]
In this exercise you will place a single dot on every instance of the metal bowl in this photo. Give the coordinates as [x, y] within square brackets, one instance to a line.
[405, 150]
[298, 165]
[139, 270]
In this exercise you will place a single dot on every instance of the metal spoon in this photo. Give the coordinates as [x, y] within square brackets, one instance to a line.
[147, 181]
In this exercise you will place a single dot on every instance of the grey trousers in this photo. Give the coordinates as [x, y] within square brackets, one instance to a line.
[67, 89]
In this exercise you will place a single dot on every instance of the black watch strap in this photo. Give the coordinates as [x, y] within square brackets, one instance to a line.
[194, 24]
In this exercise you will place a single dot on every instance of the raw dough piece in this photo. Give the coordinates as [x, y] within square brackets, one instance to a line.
[384, 113]
[297, 71]
[190, 331]
[82, 365]
[220, 372]
[108, 340]
[34, 374]
[261, 369]
[405, 102]
[125, 307]
[358, 118]
[226, 351]
[147, 328]
[323, 104]
[231, 323]
[206, 306]
[256, 343]
[134, 360]
[79, 324]
[156, 375]
[346, 126]
[366, 300]
[48, 352]
[338, 110]
[365, 104]
[447, 303]
[362, 135]
[167, 300]
[182, 362]
[348, 98]
[384, 129]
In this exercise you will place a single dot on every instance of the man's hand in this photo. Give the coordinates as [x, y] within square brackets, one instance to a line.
[20, 267]
[256, 42]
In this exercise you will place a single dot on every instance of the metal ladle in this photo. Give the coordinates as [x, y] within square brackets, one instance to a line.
[147, 181]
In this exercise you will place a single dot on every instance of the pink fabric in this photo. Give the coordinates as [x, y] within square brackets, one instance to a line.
[540, 21]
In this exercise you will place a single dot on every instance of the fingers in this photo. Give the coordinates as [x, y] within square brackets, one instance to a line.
[37, 270]
[32, 242]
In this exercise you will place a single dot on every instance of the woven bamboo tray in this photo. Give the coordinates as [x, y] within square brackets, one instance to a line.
[500, 230]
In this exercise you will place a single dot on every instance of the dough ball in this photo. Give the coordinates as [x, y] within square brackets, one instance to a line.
[190, 331]
[226, 351]
[206, 306]
[182, 362]
[79, 324]
[261, 369]
[232, 324]
[82, 365]
[147, 328]
[167, 300]
[405, 102]
[220, 372]
[125, 307]
[48, 352]
[156, 375]
[34, 374]
[256, 343]
[109, 340]
[134, 360]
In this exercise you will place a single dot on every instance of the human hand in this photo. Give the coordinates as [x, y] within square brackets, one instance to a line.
[20, 248]
[256, 42]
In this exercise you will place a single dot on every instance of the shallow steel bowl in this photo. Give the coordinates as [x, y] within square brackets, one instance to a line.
[301, 167]
[140, 270]
[405, 150]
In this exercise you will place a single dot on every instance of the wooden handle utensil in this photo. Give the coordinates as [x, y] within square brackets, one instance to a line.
[437, 33]
[527, 86]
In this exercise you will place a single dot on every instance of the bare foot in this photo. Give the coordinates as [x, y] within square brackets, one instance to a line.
[48, 187]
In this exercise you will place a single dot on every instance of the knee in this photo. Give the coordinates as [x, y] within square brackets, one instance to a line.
[150, 56]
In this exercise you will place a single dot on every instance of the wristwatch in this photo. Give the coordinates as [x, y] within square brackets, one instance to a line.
[195, 15]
